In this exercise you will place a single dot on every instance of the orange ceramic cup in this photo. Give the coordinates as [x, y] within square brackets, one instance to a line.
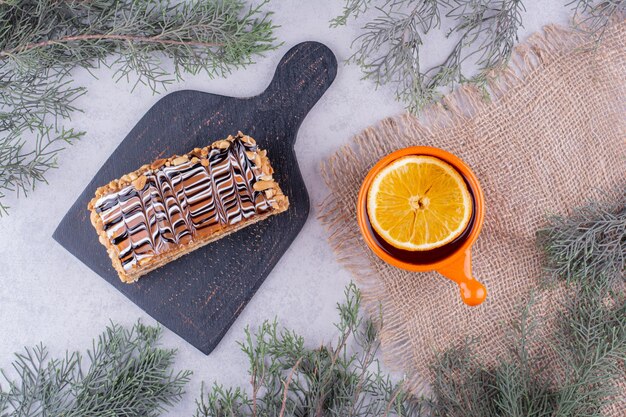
[455, 265]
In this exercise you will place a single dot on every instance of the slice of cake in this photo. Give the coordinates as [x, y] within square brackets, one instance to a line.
[166, 209]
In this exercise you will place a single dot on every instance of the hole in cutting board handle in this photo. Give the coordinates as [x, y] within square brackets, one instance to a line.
[302, 76]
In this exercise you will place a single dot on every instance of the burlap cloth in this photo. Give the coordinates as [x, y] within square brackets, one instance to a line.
[553, 132]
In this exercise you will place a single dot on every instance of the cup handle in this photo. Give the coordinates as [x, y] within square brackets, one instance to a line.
[459, 270]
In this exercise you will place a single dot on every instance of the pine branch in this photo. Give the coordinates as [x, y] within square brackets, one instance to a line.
[127, 375]
[594, 16]
[590, 242]
[488, 32]
[338, 379]
[42, 41]
[105, 37]
[20, 168]
[352, 8]
[590, 340]
[593, 347]
[389, 50]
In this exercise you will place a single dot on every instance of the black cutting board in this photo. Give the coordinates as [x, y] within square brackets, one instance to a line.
[201, 294]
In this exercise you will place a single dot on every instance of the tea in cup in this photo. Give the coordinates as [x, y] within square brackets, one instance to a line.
[421, 209]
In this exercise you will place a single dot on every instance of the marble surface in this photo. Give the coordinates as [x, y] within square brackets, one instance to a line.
[48, 296]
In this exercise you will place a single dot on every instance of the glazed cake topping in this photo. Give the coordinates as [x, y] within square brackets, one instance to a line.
[176, 201]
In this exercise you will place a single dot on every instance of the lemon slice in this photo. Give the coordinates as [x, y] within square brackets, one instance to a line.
[419, 203]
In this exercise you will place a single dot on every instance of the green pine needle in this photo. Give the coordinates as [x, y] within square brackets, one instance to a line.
[389, 49]
[287, 378]
[588, 243]
[586, 250]
[126, 375]
[42, 41]
[594, 16]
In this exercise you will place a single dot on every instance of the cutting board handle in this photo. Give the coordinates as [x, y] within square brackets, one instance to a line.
[301, 78]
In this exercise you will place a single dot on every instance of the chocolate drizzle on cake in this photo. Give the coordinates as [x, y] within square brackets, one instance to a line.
[186, 198]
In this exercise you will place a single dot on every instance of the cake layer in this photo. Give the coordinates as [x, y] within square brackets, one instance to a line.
[172, 206]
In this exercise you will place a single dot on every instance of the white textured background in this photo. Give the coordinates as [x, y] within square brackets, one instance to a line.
[46, 295]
